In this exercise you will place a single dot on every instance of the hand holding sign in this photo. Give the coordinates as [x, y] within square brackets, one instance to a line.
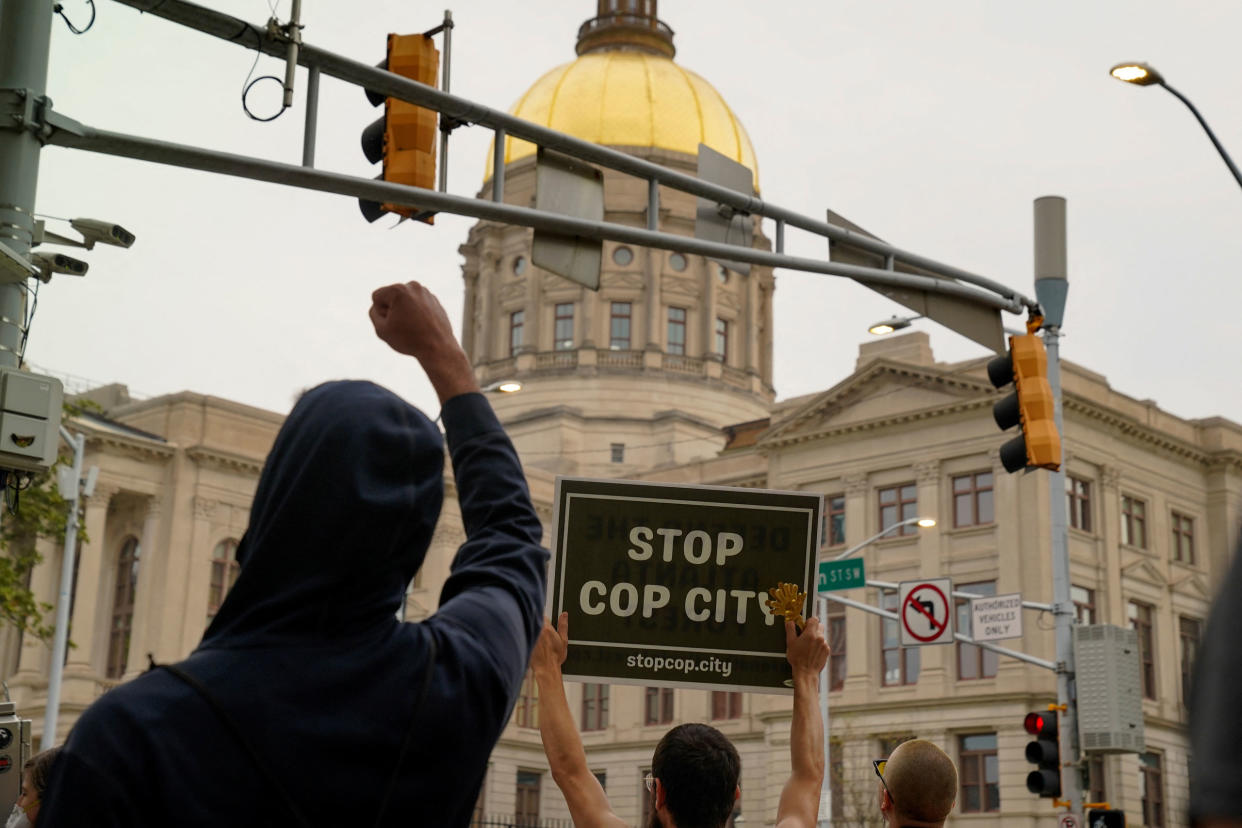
[787, 601]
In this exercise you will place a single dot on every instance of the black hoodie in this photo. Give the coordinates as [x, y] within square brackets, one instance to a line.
[306, 658]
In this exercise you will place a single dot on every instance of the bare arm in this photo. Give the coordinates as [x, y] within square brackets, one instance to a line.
[411, 320]
[807, 654]
[588, 804]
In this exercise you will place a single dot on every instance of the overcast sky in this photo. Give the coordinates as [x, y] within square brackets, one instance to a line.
[933, 125]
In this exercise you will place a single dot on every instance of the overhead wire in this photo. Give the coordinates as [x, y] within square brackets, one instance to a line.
[59, 9]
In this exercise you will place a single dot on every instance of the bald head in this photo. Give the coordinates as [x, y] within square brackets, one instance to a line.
[922, 781]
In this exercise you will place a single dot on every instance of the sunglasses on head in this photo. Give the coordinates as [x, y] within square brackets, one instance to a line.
[879, 765]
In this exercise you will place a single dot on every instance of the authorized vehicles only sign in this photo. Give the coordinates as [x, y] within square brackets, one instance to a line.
[666, 584]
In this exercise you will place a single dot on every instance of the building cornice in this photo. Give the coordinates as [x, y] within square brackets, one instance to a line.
[227, 460]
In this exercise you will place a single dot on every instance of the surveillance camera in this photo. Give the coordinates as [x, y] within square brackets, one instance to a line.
[14, 268]
[94, 231]
[50, 263]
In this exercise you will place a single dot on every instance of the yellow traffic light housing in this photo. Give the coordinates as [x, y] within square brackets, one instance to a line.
[405, 137]
[1031, 405]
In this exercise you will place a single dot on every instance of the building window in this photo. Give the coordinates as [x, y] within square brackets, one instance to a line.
[677, 331]
[972, 499]
[1151, 783]
[224, 570]
[658, 708]
[594, 706]
[1093, 778]
[836, 640]
[1183, 538]
[519, 265]
[973, 662]
[677, 262]
[123, 607]
[1079, 493]
[898, 503]
[1189, 630]
[833, 530]
[1133, 522]
[602, 778]
[619, 326]
[722, 338]
[517, 322]
[526, 711]
[890, 743]
[622, 255]
[643, 773]
[726, 705]
[526, 806]
[563, 329]
[900, 664]
[836, 779]
[980, 774]
[1141, 622]
[616, 452]
[1084, 604]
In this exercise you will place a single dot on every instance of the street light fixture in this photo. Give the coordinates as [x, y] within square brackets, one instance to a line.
[895, 323]
[921, 522]
[508, 386]
[1141, 74]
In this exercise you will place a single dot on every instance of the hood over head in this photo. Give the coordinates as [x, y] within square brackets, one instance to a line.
[341, 519]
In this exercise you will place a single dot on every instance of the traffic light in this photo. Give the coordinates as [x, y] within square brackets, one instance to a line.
[1031, 405]
[405, 137]
[1045, 752]
[1106, 818]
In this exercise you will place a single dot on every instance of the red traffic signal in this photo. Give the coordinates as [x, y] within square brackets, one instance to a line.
[1045, 753]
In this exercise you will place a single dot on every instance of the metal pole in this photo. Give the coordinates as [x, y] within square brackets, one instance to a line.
[1224, 155]
[653, 204]
[312, 117]
[51, 712]
[448, 67]
[825, 791]
[498, 166]
[294, 30]
[385, 83]
[68, 133]
[25, 37]
[1050, 257]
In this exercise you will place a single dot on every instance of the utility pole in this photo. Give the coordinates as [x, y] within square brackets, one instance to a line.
[51, 713]
[1051, 286]
[25, 38]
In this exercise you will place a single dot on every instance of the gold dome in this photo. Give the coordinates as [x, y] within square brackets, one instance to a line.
[632, 99]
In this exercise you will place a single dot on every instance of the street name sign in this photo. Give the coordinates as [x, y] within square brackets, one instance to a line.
[996, 617]
[834, 575]
[666, 584]
[923, 609]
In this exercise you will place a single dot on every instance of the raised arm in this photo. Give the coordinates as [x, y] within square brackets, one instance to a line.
[588, 804]
[494, 594]
[807, 654]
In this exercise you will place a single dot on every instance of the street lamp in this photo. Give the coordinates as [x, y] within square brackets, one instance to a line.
[825, 791]
[509, 386]
[895, 323]
[1141, 74]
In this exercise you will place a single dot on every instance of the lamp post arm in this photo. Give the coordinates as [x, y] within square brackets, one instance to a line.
[858, 547]
[1224, 155]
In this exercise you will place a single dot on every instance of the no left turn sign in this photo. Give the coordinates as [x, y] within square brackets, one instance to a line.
[924, 610]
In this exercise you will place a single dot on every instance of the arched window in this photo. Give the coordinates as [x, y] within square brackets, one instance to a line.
[224, 569]
[123, 606]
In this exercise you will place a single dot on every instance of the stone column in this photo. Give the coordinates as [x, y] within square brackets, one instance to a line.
[858, 625]
[655, 332]
[708, 323]
[938, 663]
[469, 319]
[152, 561]
[750, 318]
[85, 631]
[489, 329]
[1107, 512]
[534, 308]
[590, 309]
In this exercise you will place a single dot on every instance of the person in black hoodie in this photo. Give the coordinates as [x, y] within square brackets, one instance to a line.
[307, 703]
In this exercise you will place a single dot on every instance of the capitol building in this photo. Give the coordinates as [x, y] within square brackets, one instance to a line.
[665, 374]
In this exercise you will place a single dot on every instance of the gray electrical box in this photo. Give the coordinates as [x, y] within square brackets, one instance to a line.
[30, 408]
[1110, 695]
[14, 751]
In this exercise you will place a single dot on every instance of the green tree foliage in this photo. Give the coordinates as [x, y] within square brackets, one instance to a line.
[41, 513]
